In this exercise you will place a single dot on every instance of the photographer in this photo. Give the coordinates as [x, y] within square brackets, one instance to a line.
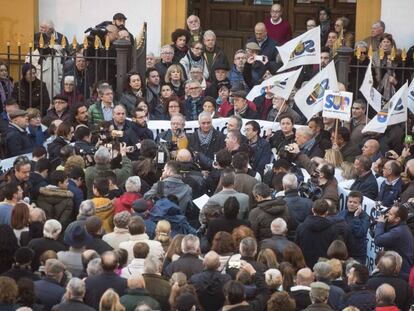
[327, 182]
[83, 145]
[392, 233]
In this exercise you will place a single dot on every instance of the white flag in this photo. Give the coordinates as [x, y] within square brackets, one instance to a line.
[337, 105]
[393, 112]
[282, 85]
[410, 96]
[367, 89]
[310, 97]
[302, 50]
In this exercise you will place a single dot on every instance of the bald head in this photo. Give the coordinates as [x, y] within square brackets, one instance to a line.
[109, 261]
[136, 281]
[183, 155]
[370, 148]
[211, 260]
[409, 169]
[260, 32]
[304, 277]
[385, 295]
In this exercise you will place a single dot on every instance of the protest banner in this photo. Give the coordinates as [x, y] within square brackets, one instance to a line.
[337, 105]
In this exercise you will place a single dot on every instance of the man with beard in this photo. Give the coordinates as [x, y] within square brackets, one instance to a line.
[79, 115]
[137, 132]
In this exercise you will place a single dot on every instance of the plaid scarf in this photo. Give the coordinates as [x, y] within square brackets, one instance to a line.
[205, 139]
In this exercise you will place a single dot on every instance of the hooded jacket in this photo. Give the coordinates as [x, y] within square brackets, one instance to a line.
[124, 202]
[104, 210]
[57, 204]
[314, 236]
[262, 216]
[17, 141]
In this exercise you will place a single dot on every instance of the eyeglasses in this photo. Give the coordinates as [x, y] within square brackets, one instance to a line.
[167, 53]
[363, 53]
[194, 88]
[200, 49]
[174, 106]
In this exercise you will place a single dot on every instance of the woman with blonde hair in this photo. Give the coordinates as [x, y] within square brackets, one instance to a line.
[348, 174]
[334, 157]
[174, 77]
[110, 302]
[163, 233]
[268, 257]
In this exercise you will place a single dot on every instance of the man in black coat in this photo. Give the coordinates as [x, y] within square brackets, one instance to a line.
[22, 267]
[241, 107]
[278, 242]
[206, 141]
[209, 283]
[97, 285]
[94, 227]
[301, 291]
[75, 291]
[137, 132]
[17, 140]
[188, 263]
[316, 233]
[366, 183]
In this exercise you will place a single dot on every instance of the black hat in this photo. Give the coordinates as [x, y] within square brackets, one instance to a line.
[238, 91]
[24, 255]
[186, 301]
[140, 206]
[17, 113]
[61, 97]
[76, 235]
[119, 16]
[220, 65]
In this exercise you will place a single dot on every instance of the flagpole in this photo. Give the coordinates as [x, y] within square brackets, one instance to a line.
[336, 131]
[278, 113]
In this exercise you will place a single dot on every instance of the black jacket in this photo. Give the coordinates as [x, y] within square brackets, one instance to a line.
[301, 296]
[359, 296]
[54, 149]
[134, 135]
[72, 305]
[98, 245]
[39, 94]
[276, 243]
[49, 292]
[37, 181]
[223, 224]
[97, 285]
[17, 142]
[40, 245]
[17, 273]
[187, 263]
[206, 152]
[193, 177]
[314, 236]
[367, 185]
[299, 208]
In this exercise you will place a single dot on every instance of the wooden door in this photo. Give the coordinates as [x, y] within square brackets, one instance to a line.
[233, 20]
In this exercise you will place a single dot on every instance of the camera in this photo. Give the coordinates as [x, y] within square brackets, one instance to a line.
[310, 190]
[259, 58]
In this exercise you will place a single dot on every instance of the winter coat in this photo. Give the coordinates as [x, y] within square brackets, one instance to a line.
[264, 213]
[134, 135]
[277, 243]
[104, 210]
[122, 174]
[57, 204]
[95, 114]
[38, 134]
[318, 307]
[299, 208]
[17, 141]
[367, 185]
[188, 264]
[358, 227]
[129, 100]
[359, 296]
[218, 57]
[390, 193]
[206, 152]
[40, 245]
[314, 236]
[72, 305]
[6, 89]
[51, 113]
[136, 296]
[235, 76]
[397, 238]
[193, 107]
[49, 292]
[193, 177]
[124, 202]
[40, 95]
[159, 289]
[187, 62]
[262, 155]
[54, 148]
[209, 285]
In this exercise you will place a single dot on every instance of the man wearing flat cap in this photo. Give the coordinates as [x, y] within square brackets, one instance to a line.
[241, 107]
[319, 294]
[17, 139]
[60, 110]
[256, 65]
[119, 21]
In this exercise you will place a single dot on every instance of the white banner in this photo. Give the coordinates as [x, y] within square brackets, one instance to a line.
[367, 89]
[309, 98]
[393, 112]
[410, 96]
[302, 50]
[282, 85]
[337, 105]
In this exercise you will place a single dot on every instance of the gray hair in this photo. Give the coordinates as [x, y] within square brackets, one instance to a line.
[197, 66]
[192, 81]
[87, 208]
[49, 23]
[133, 184]
[94, 267]
[76, 287]
[190, 244]
[361, 44]
[102, 155]
[290, 182]
[278, 226]
[306, 131]
[398, 260]
[104, 87]
[204, 114]
[209, 33]
[248, 247]
[380, 23]
[273, 277]
[165, 48]
[52, 229]
[239, 121]
[152, 265]
[385, 293]
[68, 79]
[322, 271]
[179, 115]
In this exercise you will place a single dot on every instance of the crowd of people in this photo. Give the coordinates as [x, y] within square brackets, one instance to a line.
[97, 212]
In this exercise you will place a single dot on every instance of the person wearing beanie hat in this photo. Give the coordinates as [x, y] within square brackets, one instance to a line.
[121, 232]
[22, 268]
[319, 295]
[50, 241]
[60, 110]
[30, 91]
